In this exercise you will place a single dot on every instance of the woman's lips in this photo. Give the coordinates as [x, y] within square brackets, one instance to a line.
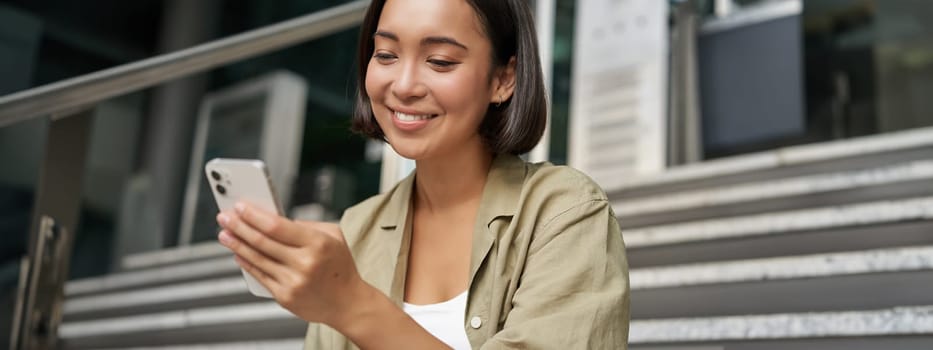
[410, 121]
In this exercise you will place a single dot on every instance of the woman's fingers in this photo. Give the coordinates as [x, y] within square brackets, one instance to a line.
[271, 284]
[274, 226]
[326, 227]
[253, 237]
[260, 266]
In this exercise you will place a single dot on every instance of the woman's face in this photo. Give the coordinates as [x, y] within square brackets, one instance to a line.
[429, 77]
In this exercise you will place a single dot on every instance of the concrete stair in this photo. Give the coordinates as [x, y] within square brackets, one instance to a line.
[826, 246]
[183, 298]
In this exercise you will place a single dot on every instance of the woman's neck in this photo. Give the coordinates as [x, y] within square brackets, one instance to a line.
[447, 182]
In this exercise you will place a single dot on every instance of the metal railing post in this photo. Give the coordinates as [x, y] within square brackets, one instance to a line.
[55, 218]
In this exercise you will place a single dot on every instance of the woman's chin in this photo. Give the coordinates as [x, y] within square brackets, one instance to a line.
[409, 151]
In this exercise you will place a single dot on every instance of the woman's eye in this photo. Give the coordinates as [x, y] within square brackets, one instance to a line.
[384, 57]
[442, 63]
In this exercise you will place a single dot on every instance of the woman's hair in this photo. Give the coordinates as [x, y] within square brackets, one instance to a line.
[513, 127]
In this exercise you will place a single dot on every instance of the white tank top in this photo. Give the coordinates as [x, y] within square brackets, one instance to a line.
[443, 320]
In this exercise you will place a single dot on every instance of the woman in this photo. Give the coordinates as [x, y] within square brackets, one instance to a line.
[476, 249]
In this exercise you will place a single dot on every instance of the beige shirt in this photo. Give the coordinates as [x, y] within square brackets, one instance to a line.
[547, 268]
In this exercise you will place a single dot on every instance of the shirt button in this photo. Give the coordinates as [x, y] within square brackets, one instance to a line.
[476, 322]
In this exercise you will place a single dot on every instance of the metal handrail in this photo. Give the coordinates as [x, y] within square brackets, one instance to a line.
[57, 99]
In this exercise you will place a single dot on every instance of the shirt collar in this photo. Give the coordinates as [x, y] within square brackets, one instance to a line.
[503, 188]
[396, 211]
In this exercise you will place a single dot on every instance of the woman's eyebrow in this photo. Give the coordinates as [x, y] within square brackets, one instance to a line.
[440, 40]
[385, 34]
[428, 41]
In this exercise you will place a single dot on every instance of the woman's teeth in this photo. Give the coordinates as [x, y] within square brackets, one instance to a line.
[410, 118]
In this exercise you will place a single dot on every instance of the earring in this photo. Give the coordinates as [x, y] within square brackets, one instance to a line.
[499, 104]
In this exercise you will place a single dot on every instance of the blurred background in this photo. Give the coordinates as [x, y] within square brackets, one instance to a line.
[770, 161]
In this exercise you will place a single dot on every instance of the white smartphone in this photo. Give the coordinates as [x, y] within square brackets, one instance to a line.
[247, 180]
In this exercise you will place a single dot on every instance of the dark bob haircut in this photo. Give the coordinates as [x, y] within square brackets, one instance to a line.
[515, 126]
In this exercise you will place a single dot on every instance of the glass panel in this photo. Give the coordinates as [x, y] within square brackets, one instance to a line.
[58, 40]
[68, 41]
[867, 69]
[869, 66]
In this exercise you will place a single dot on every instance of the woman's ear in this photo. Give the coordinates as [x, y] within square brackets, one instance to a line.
[503, 83]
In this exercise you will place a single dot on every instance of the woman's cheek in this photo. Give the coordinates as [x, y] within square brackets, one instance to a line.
[371, 90]
[375, 81]
[453, 88]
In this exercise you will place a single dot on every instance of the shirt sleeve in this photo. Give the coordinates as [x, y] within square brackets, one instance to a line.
[574, 290]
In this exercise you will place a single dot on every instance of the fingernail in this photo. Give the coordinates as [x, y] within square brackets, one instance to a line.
[240, 207]
[224, 237]
[223, 218]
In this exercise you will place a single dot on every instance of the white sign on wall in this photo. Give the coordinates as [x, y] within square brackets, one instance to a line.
[619, 94]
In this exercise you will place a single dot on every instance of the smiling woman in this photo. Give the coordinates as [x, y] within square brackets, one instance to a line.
[475, 249]
[497, 77]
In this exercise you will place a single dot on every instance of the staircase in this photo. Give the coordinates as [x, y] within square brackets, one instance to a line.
[826, 246]
[182, 298]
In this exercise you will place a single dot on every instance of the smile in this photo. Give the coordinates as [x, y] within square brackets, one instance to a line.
[411, 121]
[412, 117]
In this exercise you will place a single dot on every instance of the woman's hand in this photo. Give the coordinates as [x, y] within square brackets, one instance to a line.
[306, 266]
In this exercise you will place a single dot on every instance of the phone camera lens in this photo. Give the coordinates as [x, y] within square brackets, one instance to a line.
[221, 189]
[215, 175]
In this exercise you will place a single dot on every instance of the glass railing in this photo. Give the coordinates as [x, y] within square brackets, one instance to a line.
[86, 178]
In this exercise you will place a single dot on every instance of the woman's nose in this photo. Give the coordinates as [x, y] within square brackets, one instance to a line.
[408, 84]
